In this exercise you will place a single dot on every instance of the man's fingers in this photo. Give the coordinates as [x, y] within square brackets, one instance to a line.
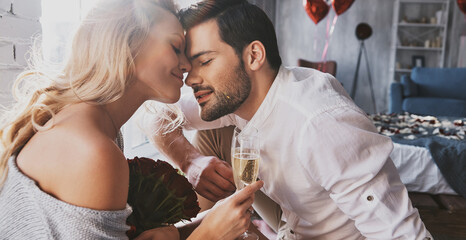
[210, 196]
[248, 191]
[225, 171]
[211, 191]
[225, 178]
[215, 189]
[216, 175]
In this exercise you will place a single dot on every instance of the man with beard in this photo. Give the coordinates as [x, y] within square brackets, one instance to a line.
[322, 160]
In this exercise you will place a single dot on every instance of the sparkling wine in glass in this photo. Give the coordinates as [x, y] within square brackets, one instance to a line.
[245, 155]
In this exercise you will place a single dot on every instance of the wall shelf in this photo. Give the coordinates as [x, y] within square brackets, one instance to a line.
[423, 1]
[418, 48]
[427, 25]
[419, 32]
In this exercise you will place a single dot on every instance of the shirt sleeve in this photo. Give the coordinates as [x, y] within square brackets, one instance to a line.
[351, 161]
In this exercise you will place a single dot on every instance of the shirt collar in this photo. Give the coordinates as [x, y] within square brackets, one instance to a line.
[268, 103]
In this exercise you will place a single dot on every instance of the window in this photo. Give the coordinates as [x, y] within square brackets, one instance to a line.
[59, 20]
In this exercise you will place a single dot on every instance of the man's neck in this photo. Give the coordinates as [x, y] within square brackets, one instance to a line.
[261, 82]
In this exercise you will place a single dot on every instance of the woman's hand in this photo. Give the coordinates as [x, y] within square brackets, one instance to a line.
[229, 218]
[161, 233]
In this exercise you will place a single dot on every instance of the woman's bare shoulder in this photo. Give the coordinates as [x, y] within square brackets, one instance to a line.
[76, 162]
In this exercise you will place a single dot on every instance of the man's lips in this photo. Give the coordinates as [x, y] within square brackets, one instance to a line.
[202, 96]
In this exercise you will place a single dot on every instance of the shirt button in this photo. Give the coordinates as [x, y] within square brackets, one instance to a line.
[291, 231]
[370, 198]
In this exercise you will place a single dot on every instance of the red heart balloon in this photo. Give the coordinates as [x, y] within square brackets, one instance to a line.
[341, 6]
[316, 9]
[462, 5]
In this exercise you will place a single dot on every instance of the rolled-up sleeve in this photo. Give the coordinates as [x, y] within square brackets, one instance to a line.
[351, 161]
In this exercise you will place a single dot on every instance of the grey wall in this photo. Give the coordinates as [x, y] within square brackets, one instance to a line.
[457, 28]
[269, 7]
[299, 37]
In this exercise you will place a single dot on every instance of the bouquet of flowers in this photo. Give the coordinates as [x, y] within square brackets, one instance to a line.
[159, 196]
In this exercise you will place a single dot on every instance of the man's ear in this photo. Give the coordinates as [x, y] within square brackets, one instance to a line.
[254, 55]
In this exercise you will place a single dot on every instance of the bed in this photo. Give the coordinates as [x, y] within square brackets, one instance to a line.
[429, 152]
[430, 155]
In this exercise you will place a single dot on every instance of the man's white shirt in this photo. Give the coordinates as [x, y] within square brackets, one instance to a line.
[323, 162]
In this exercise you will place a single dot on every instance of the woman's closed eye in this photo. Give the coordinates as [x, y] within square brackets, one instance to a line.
[177, 50]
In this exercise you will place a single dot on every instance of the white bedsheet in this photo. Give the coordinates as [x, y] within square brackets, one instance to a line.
[418, 170]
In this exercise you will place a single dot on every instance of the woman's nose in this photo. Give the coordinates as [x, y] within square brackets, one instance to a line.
[185, 65]
[192, 79]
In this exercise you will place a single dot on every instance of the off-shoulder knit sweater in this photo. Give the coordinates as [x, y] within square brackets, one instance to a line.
[26, 212]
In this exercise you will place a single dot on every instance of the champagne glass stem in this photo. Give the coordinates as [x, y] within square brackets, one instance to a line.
[245, 156]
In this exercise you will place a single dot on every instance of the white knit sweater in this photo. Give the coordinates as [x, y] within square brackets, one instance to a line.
[26, 212]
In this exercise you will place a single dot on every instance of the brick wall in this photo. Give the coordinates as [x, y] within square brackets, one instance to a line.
[19, 21]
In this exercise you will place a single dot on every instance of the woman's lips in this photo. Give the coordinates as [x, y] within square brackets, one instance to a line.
[180, 79]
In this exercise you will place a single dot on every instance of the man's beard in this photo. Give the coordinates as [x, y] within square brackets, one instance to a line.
[237, 91]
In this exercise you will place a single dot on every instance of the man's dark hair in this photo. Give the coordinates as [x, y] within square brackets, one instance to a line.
[239, 23]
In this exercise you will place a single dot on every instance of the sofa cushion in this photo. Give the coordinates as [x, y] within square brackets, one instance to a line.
[440, 82]
[409, 87]
[435, 106]
[396, 98]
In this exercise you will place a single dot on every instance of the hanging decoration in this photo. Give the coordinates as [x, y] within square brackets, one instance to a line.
[341, 6]
[462, 5]
[319, 9]
[316, 9]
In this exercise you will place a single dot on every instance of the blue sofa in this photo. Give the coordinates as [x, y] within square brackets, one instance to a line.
[430, 91]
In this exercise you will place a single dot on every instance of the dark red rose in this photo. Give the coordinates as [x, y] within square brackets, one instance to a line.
[178, 183]
[192, 211]
[159, 195]
[164, 168]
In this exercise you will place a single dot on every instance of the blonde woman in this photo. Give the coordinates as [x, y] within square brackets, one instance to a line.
[62, 175]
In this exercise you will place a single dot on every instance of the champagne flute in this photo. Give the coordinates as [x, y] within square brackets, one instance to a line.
[245, 155]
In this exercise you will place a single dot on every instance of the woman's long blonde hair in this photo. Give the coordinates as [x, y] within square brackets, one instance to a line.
[99, 68]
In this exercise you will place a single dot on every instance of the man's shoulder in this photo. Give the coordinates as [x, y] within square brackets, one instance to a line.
[308, 80]
[311, 90]
[302, 73]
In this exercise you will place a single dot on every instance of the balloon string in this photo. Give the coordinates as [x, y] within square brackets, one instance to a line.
[321, 66]
[329, 34]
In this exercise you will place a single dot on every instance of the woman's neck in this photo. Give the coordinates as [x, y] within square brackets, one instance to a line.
[121, 110]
